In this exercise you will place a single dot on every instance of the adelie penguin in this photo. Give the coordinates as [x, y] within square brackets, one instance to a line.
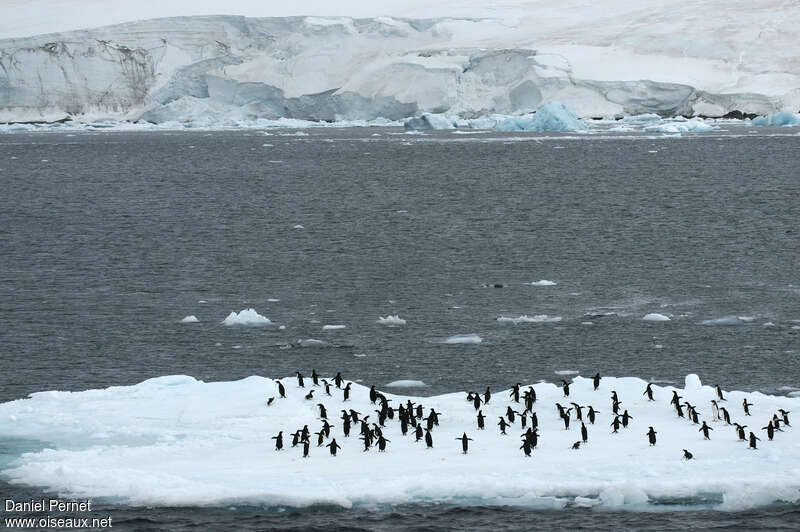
[576, 445]
[726, 417]
[719, 393]
[753, 439]
[740, 431]
[306, 445]
[481, 419]
[476, 401]
[487, 395]
[714, 410]
[591, 414]
[373, 395]
[785, 414]
[526, 447]
[704, 429]
[382, 443]
[270, 400]
[510, 414]
[346, 392]
[310, 395]
[300, 379]
[464, 442]
[323, 414]
[428, 439]
[770, 430]
[314, 377]
[514, 394]
[687, 455]
[746, 406]
[651, 436]
[327, 387]
[649, 392]
[333, 446]
[502, 424]
[625, 418]
[337, 380]
[584, 433]
[596, 381]
[278, 441]
[565, 387]
[281, 390]
[418, 433]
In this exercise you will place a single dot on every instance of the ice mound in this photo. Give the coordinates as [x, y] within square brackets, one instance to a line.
[654, 316]
[333, 327]
[539, 318]
[190, 319]
[391, 320]
[463, 339]
[430, 121]
[406, 384]
[543, 282]
[783, 118]
[552, 116]
[247, 318]
[692, 382]
[311, 342]
[175, 440]
[727, 320]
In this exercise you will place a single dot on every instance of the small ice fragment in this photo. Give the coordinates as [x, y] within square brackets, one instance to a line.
[190, 319]
[333, 327]
[543, 282]
[463, 339]
[392, 320]
[247, 317]
[406, 384]
[298, 226]
[566, 372]
[654, 316]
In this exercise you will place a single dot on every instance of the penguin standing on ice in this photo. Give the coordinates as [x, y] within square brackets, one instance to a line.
[333, 446]
[649, 392]
[502, 424]
[719, 393]
[418, 433]
[576, 445]
[323, 414]
[726, 417]
[270, 400]
[584, 433]
[626, 418]
[714, 410]
[310, 395]
[281, 390]
[481, 419]
[704, 429]
[510, 414]
[615, 424]
[476, 401]
[278, 441]
[753, 439]
[565, 387]
[770, 430]
[687, 455]
[578, 411]
[746, 406]
[428, 439]
[346, 392]
[487, 395]
[651, 436]
[464, 442]
[373, 395]
[596, 381]
[382, 443]
[526, 448]
[591, 414]
[740, 431]
[514, 394]
[676, 399]
[327, 387]
[306, 445]
[314, 377]
[337, 380]
[300, 379]
[785, 414]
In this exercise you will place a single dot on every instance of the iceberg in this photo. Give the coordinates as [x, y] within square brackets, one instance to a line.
[246, 318]
[463, 339]
[391, 321]
[783, 118]
[190, 319]
[654, 316]
[431, 121]
[553, 116]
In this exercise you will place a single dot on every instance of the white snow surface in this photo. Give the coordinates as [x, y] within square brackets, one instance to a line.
[246, 317]
[175, 440]
[356, 60]
[654, 316]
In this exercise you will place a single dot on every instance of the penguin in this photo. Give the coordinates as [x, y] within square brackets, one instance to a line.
[625, 418]
[337, 380]
[676, 399]
[281, 390]
[785, 414]
[326, 427]
[428, 439]
[740, 431]
[651, 436]
[382, 443]
[584, 433]
[310, 395]
[354, 415]
[714, 410]
[687, 455]
[514, 394]
[296, 438]
[300, 379]
[615, 424]
[333, 446]
[753, 439]
[578, 411]
[470, 396]
[367, 439]
[576, 445]
[419, 411]
[679, 410]
[649, 392]
[776, 422]
[476, 401]
[534, 421]
[523, 419]
[591, 414]
[314, 377]
[346, 392]
[615, 407]
[746, 406]
[596, 381]
[526, 448]
[435, 415]
[306, 445]
[304, 432]
[560, 410]
[770, 430]
[372, 394]
[270, 400]
[694, 417]
[565, 387]
[725, 416]
[320, 438]
[719, 392]
[327, 387]
[510, 415]
[322, 412]
[704, 429]
[565, 419]
[278, 441]
[502, 424]
[481, 418]
[487, 395]
[531, 395]
[464, 442]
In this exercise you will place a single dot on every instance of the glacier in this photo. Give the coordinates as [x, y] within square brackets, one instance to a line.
[175, 440]
[455, 63]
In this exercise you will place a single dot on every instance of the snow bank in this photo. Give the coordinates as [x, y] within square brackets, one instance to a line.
[463, 339]
[783, 118]
[175, 440]
[654, 316]
[391, 320]
[190, 319]
[247, 317]
[406, 384]
[539, 318]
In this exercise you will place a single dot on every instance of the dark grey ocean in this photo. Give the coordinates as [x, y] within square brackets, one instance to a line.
[108, 239]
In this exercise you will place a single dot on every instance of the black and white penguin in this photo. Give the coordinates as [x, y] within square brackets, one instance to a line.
[584, 433]
[625, 418]
[565, 387]
[676, 399]
[354, 415]
[322, 412]
[418, 433]
[382, 443]
[746, 406]
[310, 395]
[326, 427]
[649, 392]
[337, 380]
[481, 419]
[327, 387]
[346, 391]
[333, 446]
[596, 381]
[476, 401]
[785, 414]
[704, 429]
[300, 379]
[514, 394]
[487, 395]
[320, 438]
[270, 400]
[651, 436]
[314, 377]
[714, 410]
[719, 393]
[565, 418]
[428, 439]
[740, 431]
[576, 445]
[464, 442]
[687, 455]
[578, 411]
[726, 417]
[591, 414]
[278, 441]
[502, 424]
[615, 424]
[372, 394]
[306, 445]
[770, 430]
[526, 447]
[753, 439]
[281, 390]
[510, 414]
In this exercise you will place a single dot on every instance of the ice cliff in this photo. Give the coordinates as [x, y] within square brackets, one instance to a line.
[228, 68]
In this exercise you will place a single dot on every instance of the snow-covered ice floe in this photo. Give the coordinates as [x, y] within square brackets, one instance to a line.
[391, 320]
[539, 318]
[175, 440]
[463, 339]
[543, 282]
[333, 327]
[654, 316]
[247, 317]
[728, 320]
[190, 319]
[406, 384]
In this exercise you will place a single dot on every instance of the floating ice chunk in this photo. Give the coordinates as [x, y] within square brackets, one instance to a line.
[783, 118]
[406, 384]
[431, 121]
[333, 327]
[273, 300]
[726, 320]
[543, 282]
[190, 319]
[311, 342]
[298, 226]
[654, 316]
[247, 317]
[566, 372]
[463, 339]
[647, 117]
[553, 116]
[539, 318]
[392, 320]
[694, 125]
[692, 382]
